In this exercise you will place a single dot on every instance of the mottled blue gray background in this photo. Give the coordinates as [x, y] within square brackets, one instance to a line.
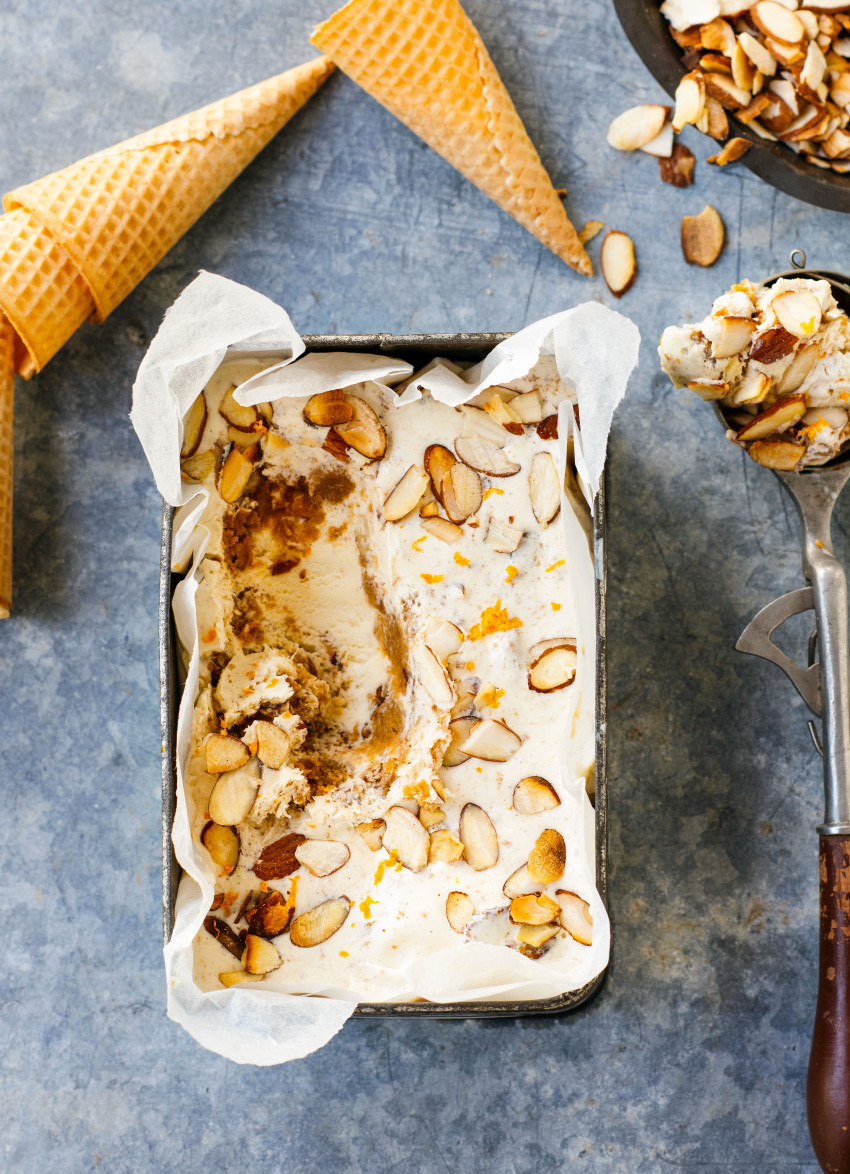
[693, 1056]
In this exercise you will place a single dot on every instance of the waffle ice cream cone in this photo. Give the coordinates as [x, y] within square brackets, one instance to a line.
[118, 212]
[7, 390]
[424, 61]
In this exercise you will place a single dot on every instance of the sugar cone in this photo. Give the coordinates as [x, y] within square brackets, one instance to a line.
[7, 392]
[424, 61]
[117, 213]
[41, 290]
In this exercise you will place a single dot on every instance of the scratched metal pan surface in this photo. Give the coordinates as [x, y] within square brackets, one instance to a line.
[416, 349]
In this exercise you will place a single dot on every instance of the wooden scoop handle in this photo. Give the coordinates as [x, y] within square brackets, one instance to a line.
[828, 1089]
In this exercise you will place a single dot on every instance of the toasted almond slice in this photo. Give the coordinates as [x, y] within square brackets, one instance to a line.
[372, 833]
[777, 453]
[273, 744]
[743, 70]
[553, 668]
[443, 529]
[224, 935]
[438, 788]
[772, 345]
[837, 145]
[708, 389]
[762, 59]
[636, 127]
[780, 416]
[734, 336]
[260, 956]
[438, 460]
[798, 311]
[199, 466]
[434, 678]
[689, 100]
[807, 125]
[544, 488]
[547, 858]
[193, 426]
[271, 916]
[784, 89]
[591, 229]
[718, 35]
[364, 432]
[723, 88]
[799, 368]
[442, 637]
[617, 261]
[460, 728]
[485, 457]
[459, 909]
[787, 55]
[520, 883]
[235, 474]
[266, 410]
[814, 69]
[224, 752]
[407, 495]
[528, 406]
[236, 977]
[476, 422]
[536, 935]
[406, 836]
[678, 170]
[662, 145]
[242, 440]
[278, 859]
[466, 689]
[731, 153]
[534, 794]
[462, 492]
[430, 510]
[715, 63]
[232, 797]
[322, 857]
[236, 414]
[808, 20]
[702, 237]
[222, 843]
[753, 388]
[491, 741]
[430, 814]
[503, 538]
[478, 836]
[759, 105]
[575, 916]
[533, 909]
[444, 847]
[777, 21]
[329, 408]
[320, 923]
[501, 412]
[714, 121]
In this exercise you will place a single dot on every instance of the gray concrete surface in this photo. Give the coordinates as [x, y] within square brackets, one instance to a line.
[693, 1056]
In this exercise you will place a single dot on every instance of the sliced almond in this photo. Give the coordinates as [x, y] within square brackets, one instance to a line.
[372, 833]
[232, 797]
[799, 367]
[534, 909]
[222, 843]
[235, 474]
[702, 237]
[798, 311]
[266, 410]
[575, 916]
[364, 432]
[434, 677]
[547, 858]
[777, 453]
[534, 794]
[199, 466]
[443, 529]
[723, 88]
[242, 440]
[772, 345]
[753, 388]
[223, 752]
[678, 170]
[755, 109]
[713, 121]
[438, 460]
[430, 510]
[519, 883]
[462, 491]
[260, 956]
[552, 668]
[271, 916]
[528, 406]
[459, 909]
[442, 637]
[491, 741]
[689, 100]
[775, 20]
[591, 229]
[734, 336]
[273, 744]
[466, 689]
[224, 935]
[544, 488]
[718, 35]
[406, 836]
[617, 261]
[320, 923]
[444, 847]
[478, 836]
[430, 814]
[636, 127]
[501, 537]
[715, 63]
[500, 411]
[476, 422]
[328, 408]
[536, 935]
[194, 423]
[708, 389]
[322, 857]
[407, 495]
[662, 145]
[777, 418]
[485, 457]
[278, 859]
[460, 728]
[733, 151]
[236, 977]
[236, 414]
[743, 70]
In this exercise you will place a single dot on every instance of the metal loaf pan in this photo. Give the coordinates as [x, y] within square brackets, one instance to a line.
[416, 349]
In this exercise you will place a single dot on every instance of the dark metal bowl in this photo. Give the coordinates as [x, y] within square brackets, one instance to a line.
[775, 163]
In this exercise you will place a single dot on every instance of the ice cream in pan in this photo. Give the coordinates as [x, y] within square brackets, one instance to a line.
[388, 661]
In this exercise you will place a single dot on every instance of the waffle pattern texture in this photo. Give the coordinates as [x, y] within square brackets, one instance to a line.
[425, 62]
[118, 212]
[7, 393]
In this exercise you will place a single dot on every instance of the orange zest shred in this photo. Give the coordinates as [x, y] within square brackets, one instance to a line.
[432, 578]
[555, 566]
[556, 607]
[229, 898]
[469, 666]
[246, 689]
[493, 619]
[365, 907]
[419, 791]
[392, 861]
[460, 560]
[343, 953]
[511, 573]
[813, 430]
[271, 684]
[210, 636]
[492, 489]
[416, 545]
[289, 903]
